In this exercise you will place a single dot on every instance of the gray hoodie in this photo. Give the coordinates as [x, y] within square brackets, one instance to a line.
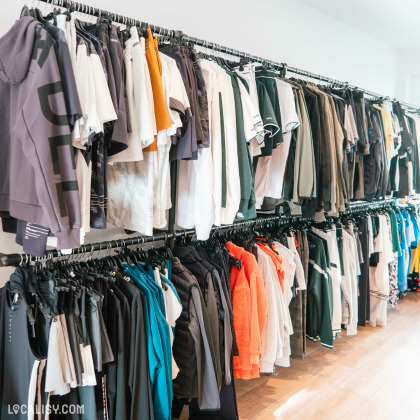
[37, 170]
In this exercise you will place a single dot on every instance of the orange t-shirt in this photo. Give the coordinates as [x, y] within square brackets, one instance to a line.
[163, 120]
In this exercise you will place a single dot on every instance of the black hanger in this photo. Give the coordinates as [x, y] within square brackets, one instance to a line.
[35, 13]
[241, 64]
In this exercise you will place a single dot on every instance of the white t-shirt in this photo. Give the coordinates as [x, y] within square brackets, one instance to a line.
[213, 98]
[133, 152]
[175, 93]
[195, 198]
[379, 275]
[248, 74]
[130, 194]
[197, 178]
[300, 274]
[104, 106]
[194, 203]
[177, 103]
[349, 284]
[289, 268]
[131, 185]
[270, 334]
[331, 238]
[277, 164]
[233, 188]
[83, 75]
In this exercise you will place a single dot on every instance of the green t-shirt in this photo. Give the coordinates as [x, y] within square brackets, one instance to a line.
[396, 245]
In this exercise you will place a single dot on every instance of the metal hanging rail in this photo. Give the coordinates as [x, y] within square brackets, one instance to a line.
[359, 206]
[93, 11]
[15, 259]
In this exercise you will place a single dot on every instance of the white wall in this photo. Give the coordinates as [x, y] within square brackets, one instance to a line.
[282, 30]
[408, 74]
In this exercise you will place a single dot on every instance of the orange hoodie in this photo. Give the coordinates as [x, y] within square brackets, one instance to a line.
[257, 308]
[241, 306]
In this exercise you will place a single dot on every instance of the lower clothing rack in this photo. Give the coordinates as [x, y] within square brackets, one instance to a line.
[7, 260]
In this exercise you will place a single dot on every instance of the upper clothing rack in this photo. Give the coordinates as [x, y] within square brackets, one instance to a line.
[171, 234]
[16, 259]
[282, 67]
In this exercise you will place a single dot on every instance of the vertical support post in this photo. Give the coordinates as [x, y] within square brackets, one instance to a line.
[171, 215]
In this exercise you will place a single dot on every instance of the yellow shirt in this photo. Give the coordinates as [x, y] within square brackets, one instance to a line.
[388, 131]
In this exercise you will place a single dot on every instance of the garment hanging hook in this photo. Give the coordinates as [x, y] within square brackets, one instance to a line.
[92, 246]
[82, 250]
[100, 249]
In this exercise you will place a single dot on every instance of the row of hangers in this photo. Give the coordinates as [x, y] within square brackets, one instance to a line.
[247, 233]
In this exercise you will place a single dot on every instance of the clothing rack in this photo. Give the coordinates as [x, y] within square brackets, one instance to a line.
[7, 260]
[281, 67]
[171, 234]
[359, 206]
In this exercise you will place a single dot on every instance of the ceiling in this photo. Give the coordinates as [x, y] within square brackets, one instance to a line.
[392, 22]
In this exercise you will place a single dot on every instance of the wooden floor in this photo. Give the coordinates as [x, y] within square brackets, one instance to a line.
[373, 375]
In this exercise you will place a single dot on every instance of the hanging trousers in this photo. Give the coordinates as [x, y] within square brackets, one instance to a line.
[364, 291]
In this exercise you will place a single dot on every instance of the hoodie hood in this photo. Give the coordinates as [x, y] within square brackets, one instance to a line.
[16, 48]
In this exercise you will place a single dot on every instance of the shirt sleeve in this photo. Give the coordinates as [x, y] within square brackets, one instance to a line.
[268, 116]
[252, 119]
[178, 99]
[289, 117]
